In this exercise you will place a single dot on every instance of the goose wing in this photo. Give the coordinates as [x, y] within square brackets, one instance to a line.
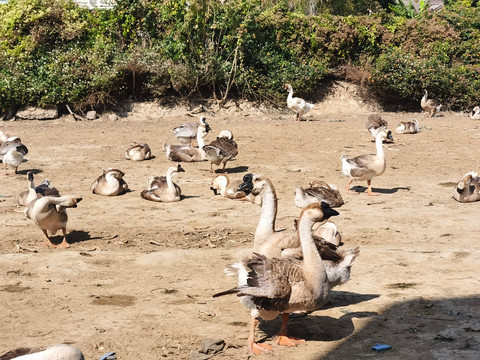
[360, 165]
[188, 130]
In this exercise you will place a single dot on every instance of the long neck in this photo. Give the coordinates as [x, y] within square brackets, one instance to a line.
[110, 178]
[290, 93]
[170, 185]
[312, 262]
[266, 225]
[379, 146]
[200, 135]
[224, 181]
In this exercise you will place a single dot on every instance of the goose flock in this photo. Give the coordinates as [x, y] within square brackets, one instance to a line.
[289, 270]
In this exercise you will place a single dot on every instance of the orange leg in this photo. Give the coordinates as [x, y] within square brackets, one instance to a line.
[254, 347]
[369, 189]
[64, 243]
[48, 243]
[282, 338]
[347, 188]
[298, 116]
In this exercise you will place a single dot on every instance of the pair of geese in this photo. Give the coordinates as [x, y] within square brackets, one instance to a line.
[12, 151]
[219, 151]
[290, 270]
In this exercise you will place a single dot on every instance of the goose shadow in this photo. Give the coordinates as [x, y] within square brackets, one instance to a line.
[74, 236]
[25, 171]
[362, 189]
[233, 170]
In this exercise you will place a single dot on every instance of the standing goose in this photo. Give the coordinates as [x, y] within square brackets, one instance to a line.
[162, 188]
[267, 240]
[49, 214]
[431, 106]
[475, 113]
[297, 104]
[468, 188]
[33, 191]
[138, 152]
[271, 286]
[110, 183]
[375, 124]
[221, 150]
[188, 153]
[12, 152]
[222, 185]
[186, 133]
[366, 167]
[317, 192]
[407, 127]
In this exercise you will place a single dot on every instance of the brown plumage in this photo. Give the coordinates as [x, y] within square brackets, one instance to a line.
[33, 191]
[317, 192]
[138, 152]
[468, 188]
[375, 124]
[431, 106]
[407, 127]
[162, 188]
[12, 152]
[220, 151]
[110, 183]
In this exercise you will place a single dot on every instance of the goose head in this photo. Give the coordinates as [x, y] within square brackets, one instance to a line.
[217, 183]
[253, 183]
[225, 134]
[177, 168]
[288, 87]
[116, 173]
[385, 134]
[203, 121]
[318, 212]
[465, 181]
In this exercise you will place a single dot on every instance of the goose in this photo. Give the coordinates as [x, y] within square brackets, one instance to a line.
[221, 150]
[267, 240]
[56, 352]
[138, 152]
[475, 113]
[49, 214]
[317, 192]
[12, 151]
[429, 105]
[33, 191]
[186, 133]
[272, 286]
[162, 188]
[296, 104]
[468, 188]
[188, 153]
[110, 183]
[222, 185]
[407, 127]
[375, 124]
[366, 167]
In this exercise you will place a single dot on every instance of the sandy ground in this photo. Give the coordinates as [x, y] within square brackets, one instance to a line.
[139, 276]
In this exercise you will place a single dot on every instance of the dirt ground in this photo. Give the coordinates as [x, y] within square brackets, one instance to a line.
[139, 276]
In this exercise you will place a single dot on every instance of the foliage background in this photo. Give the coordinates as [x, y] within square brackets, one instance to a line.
[55, 52]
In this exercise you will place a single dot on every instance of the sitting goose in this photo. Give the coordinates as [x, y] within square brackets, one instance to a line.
[366, 167]
[407, 127]
[12, 152]
[49, 214]
[317, 192]
[186, 133]
[271, 286]
[33, 191]
[56, 352]
[375, 124]
[138, 152]
[267, 240]
[162, 188]
[188, 153]
[222, 185]
[429, 105]
[297, 104]
[475, 113]
[468, 188]
[221, 150]
[110, 183]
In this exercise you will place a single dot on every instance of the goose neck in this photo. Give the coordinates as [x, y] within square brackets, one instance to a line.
[266, 225]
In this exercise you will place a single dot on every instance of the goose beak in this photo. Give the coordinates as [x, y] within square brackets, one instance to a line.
[207, 128]
[180, 169]
[214, 190]
[328, 211]
[246, 186]
[389, 136]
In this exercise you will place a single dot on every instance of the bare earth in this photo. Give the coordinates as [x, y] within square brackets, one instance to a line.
[139, 276]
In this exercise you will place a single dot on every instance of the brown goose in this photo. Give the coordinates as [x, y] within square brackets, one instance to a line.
[49, 213]
[110, 183]
[188, 153]
[162, 188]
[271, 286]
[407, 127]
[366, 167]
[138, 152]
[375, 124]
[33, 191]
[431, 106]
[221, 150]
[317, 192]
[12, 152]
[468, 188]
[186, 133]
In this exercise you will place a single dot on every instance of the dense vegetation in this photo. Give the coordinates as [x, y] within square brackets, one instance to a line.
[54, 52]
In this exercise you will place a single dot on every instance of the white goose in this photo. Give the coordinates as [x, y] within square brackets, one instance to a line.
[297, 104]
[162, 188]
[56, 352]
[475, 113]
[186, 133]
[468, 188]
[271, 286]
[366, 167]
[431, 106]
[187, 153]
[12, 152]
